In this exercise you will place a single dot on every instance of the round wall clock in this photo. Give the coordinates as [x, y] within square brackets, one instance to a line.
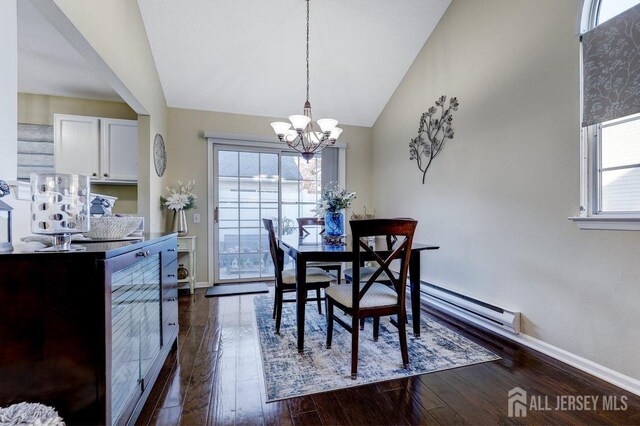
[159, 155]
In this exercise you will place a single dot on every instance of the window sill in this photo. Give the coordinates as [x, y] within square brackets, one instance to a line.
[608, 223]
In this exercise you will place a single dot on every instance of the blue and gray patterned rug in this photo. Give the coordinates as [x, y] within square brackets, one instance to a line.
[288, 374]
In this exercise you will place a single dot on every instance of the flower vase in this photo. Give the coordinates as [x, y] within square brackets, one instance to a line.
[334, 224]
[179, 223]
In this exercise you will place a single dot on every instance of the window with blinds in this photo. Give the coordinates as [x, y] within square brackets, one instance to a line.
[619, 168]
[610, 170]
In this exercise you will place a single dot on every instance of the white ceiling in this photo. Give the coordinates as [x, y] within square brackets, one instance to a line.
[247, 56]
[48, 65]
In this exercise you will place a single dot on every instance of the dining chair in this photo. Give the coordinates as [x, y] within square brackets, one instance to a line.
[316, 278]
[302, 232]
[371, 298]
[367, 271]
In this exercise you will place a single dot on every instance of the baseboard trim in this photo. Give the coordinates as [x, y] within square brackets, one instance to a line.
[600, 371]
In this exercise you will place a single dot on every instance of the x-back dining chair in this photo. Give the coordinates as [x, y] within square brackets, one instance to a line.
[303, 222]
[286, 278]
[371, 298]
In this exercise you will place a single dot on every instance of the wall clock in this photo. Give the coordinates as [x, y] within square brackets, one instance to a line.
[159, 155]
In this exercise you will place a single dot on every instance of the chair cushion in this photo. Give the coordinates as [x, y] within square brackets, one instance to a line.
[314, 275]
[366, 272]
[377, 295]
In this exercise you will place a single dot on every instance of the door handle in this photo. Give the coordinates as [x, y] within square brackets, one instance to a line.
[215, 215]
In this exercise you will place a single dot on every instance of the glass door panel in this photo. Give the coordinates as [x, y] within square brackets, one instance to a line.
[247, 191]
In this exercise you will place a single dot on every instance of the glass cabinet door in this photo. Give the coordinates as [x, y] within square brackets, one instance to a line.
[135, 329]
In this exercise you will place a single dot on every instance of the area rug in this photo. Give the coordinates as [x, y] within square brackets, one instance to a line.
[288, 374]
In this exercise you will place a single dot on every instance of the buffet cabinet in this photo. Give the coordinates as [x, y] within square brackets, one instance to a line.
[88, 332]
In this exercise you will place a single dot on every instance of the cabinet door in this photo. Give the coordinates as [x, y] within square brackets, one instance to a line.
[76, 145]
[135, 326]
[119, 149]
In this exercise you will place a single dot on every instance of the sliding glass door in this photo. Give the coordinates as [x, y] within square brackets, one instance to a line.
[249, 185]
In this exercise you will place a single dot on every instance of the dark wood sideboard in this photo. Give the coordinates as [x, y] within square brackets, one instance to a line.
[87, 332]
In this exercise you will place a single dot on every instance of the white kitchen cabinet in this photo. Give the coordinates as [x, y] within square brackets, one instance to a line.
[104, 148]
[76, 144]
[119, 149]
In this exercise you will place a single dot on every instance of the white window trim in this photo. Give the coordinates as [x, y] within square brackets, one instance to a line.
[589, 218]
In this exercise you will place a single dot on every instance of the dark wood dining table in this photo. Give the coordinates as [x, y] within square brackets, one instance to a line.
[311, 248]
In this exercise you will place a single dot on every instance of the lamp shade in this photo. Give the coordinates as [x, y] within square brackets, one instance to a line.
[280, 127]
[335, 133]
[327, 124]
[299, 121]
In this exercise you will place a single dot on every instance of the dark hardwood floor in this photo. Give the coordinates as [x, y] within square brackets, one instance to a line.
[215, 378]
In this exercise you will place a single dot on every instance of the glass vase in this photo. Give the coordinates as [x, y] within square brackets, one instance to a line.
[334, 224]
[179, 223]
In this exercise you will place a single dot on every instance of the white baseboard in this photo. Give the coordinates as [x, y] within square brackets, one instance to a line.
[600, 371]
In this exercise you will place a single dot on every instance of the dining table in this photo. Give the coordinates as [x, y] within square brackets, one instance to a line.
[312, 248]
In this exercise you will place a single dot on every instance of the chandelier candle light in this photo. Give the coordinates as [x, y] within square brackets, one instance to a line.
[304, 137]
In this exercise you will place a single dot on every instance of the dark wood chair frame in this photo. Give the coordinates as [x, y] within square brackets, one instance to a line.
[371, 228]
[315, 221]
[277, 255]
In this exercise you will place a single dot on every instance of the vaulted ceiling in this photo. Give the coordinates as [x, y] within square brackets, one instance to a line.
[49, 65]
[248, 56]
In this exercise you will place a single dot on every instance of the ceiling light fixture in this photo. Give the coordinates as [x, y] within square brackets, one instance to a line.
[303, 137]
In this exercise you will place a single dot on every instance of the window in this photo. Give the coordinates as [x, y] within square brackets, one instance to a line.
[610, 175]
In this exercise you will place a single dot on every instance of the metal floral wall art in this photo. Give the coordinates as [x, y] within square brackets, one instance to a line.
[432, 133]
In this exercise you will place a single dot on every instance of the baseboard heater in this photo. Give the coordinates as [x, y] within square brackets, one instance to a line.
[469, 308]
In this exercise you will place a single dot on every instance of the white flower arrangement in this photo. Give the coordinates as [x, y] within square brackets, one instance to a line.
[334, 199]
[181, 199]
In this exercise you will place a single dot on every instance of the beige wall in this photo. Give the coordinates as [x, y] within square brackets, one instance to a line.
[187, 160]
[115, 30]
[39, 109]
[498, 196]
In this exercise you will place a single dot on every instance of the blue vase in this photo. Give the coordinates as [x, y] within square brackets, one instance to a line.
[334, 224]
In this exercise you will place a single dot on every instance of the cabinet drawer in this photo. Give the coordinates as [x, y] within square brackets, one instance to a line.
[170, 276]
[186, 244]
[169, 252]
[169, 319]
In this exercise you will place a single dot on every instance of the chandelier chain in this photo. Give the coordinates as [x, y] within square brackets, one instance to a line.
[307, 50]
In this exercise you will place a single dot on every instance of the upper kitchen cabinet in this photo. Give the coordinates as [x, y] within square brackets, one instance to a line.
[105, 149]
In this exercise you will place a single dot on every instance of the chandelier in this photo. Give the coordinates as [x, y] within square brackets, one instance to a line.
[304, 137]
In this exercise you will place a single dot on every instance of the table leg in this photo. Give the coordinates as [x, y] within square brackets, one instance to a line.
[414, 279]
[301, 296]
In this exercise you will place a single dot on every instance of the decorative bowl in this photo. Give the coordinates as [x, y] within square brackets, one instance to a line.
[112, 227]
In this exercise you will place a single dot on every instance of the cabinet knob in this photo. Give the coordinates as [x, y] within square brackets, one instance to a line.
[94, 174]
[171, 275]
[142, 254]
[173, 299]
[105, 174]
[171, 249]
[172, 323]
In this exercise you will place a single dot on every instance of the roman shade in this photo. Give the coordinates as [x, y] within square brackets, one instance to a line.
[611, 69]
[329, 166]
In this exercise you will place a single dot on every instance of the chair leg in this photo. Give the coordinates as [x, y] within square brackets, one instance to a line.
[279, 312]
[329, 309]
[339, 273]
[376, 328]
[275, 302]
[361, 323]
[319, 301]
[355, 331]
[402, 329]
